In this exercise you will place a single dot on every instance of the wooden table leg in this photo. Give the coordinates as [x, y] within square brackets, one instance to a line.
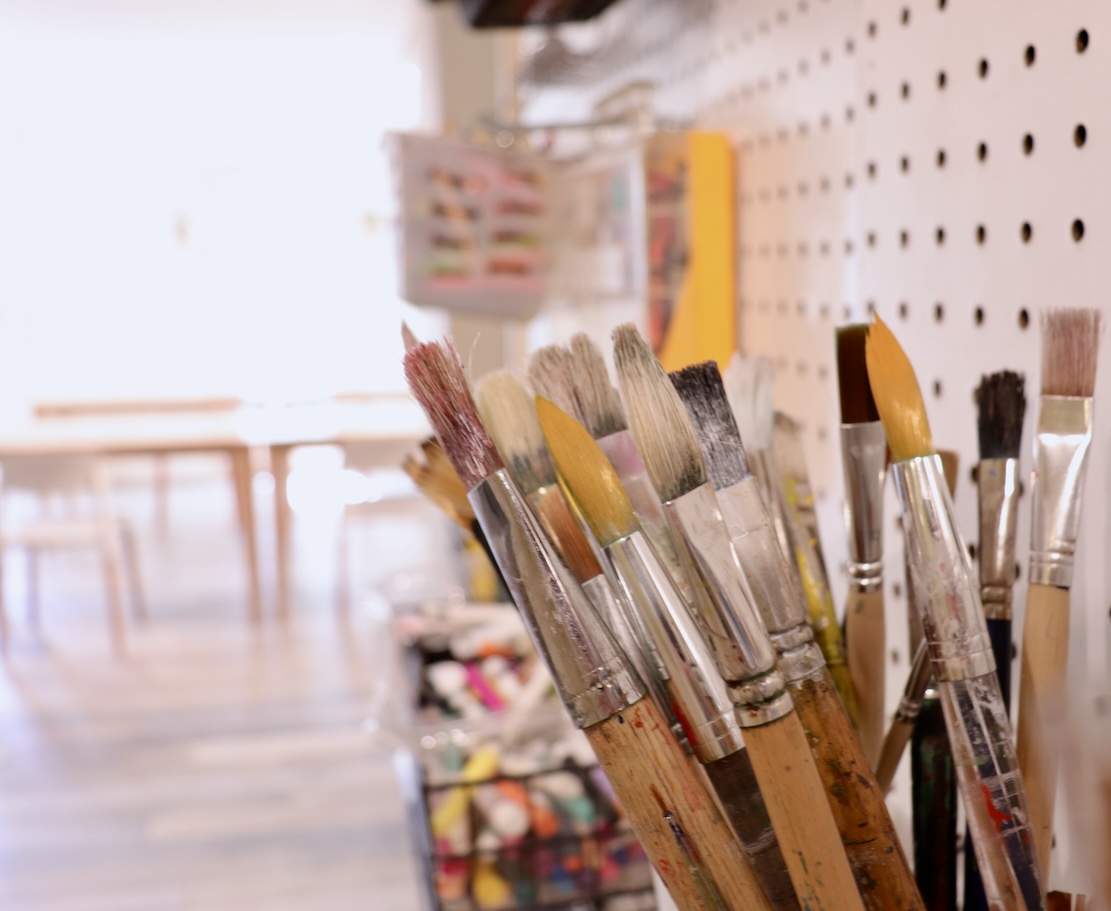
[283, 522]
[244, 495]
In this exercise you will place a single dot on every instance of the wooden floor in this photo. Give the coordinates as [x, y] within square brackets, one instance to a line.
[217, 767]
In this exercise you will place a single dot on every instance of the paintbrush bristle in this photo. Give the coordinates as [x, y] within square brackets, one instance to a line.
[599, 402]
[858, 406]
[509, 414]
[587, 475]
[568, 536]
[435, 376]
[439, 482]
[1070, 350]
[950, 467]
[551, 375]
[898, 397]
[1001, 408]
[407, 337]
[703, 393]
[750, 388]
[660, 423]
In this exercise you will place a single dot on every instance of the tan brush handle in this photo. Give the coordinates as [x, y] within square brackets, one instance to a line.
[865, 645]
[651, 776]
[1045, 639]
[801, 816]
[878, 862]
[894, 745]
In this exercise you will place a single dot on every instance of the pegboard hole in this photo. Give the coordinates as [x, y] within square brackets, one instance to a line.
[939, 313]
[823, 185]
[903, 310]
[871, 308]
[1080, 135]
[1082, 41]
[981, 234]
[937, 389]
[984, 68]
[904, 90]
[848, 248]
[904, 164]
[941, 80]
[972, 551]
[974, 474]
[871, 238]
[1023, 318]
[849, 114]
[1078, 230]
[982, 151]
[1030, 55]
[978, 316]
[939, 236]
[1026, 232]
[872, 170]
[904, 238]
[850, 45]
[872, 29]
[871, 99]
[849, 181]
[941, 158]
[941, 4]
[1028, 144]
[905, 17]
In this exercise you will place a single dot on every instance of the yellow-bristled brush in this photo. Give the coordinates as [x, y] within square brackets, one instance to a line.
[988, 778]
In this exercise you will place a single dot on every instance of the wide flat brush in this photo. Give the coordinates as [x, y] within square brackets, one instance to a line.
[725, 610]
[879, 863]
[1001, 408]
[864, 459]
[685, 837]
[1070, 349]
[988, 778]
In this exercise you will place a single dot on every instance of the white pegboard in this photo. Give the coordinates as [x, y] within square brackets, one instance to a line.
[937, 162]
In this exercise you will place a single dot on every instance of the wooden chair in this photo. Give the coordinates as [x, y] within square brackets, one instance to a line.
[74, 510]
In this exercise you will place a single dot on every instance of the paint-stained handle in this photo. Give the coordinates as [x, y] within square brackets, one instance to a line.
[891, 754]
[801, 815]
[865, 645]
[878, 861]
[1045, 638]
[672, 813]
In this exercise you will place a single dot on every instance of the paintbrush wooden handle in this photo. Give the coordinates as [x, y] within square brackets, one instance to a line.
[865, 645]
[801, 815]
[1045, 638]
[878, 861]
[891, 754]
[653, 777]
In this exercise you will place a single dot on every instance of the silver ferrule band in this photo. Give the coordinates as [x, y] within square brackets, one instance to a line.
[915, 691]
[593, 678]
[694, 685]
[774, 587]
[997, 480]
[864, 459]
[952, 618]
[798, 655]
[1060, 460]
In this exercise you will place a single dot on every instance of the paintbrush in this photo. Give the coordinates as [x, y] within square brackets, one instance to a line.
[1001, 408]
[864, 459]
[988, 778]
[688, 842]
[880, 865]
[509, 415]
[1070, 350]
[724, 609]
[802, 529]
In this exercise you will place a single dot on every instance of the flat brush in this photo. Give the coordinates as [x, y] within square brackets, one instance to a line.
[802, 529]
[739, 642]
[879, 864]
[509, 414]
[658, 790]
[864, 459]
[1001, 408]
[1070, 349]
[988, 778]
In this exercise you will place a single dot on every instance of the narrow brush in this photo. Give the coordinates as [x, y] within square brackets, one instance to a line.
[658, 790]
[724, 605]
[880, 865]
[509, 414]
[1001, 408]
[988, 779]
[864, 458]
[1070, 349]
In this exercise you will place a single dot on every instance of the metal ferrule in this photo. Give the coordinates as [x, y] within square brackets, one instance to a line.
[1060, 460]
[915, 691]
[699, 695]
[864, 458]
[952, 619]
[632, 636]
[998, 483]
[593, 678]
[724, 606]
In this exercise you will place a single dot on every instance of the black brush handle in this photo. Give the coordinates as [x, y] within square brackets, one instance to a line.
[934, 809]
[975, 898]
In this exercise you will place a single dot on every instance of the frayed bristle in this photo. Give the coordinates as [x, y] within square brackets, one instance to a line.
[790, 455]
[750, 388]
[658, 419]
[858, 406]
[1070, 350]
[587, 476]
[435, 376]
[408, 338]
[551, 374]
[898, 397]
[438, 480]
[509, 414]
[1001, 408]
[567, 535]
[599, 403]
[703, 393]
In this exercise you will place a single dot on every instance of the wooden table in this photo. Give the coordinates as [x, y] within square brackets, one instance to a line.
[393, 422]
